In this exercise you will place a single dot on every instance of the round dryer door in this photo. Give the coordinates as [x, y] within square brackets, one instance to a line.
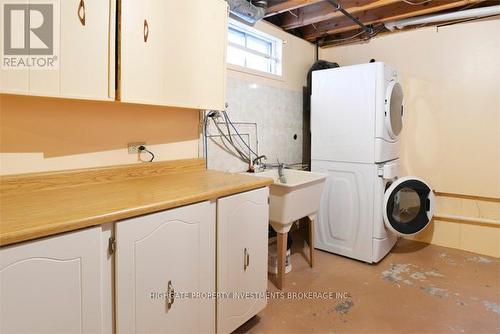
[408, 206]
[394, 109]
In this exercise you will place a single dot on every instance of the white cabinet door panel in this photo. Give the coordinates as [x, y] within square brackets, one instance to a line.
[177, 65]
[176, 246]
[242, 233]
[56, 284]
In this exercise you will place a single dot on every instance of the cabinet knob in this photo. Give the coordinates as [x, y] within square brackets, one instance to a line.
[170, 295]
[81, 12]
[146, 30]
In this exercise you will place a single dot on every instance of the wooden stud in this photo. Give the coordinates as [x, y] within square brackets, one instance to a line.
[396, 11]
[312, 220]
[325, 11]
[288, 5]
[282, 241]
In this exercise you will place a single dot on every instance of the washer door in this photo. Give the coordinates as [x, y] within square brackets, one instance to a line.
[394, 109]
[408, 206]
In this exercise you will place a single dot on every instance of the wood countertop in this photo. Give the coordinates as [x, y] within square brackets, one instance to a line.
[39, 205]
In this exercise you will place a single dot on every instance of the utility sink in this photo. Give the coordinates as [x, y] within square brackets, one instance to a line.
[297, 198]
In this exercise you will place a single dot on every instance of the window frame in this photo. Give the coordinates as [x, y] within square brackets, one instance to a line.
[274, 56]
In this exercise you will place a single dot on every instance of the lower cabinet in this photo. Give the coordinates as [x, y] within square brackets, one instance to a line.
[242, 233]
[59, 284]
[161, 259]
[168, 267]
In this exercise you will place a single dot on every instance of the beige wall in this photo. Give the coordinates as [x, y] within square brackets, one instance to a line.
[42, 134]
[451, 137]
[298, 56]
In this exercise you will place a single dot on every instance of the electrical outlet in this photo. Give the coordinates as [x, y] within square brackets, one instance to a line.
[133, 148]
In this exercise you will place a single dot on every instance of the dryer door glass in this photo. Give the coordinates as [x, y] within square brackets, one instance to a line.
[408, 206]
[394, 109]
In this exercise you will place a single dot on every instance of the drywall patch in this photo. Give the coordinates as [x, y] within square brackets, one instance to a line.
[490, 306]
[344, 307]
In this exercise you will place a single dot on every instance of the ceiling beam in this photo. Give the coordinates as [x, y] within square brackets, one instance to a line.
[396, 11]
[324, 11]
[287, 5]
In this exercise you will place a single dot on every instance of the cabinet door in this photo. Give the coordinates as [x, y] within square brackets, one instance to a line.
[87, 51]
[84, 35]
[12, 81]
[182, 61]
[242, 228]
[163, 252]
[58, 284]
[86, 57]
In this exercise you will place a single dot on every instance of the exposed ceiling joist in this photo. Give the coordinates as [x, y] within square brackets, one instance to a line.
[395, 11]
[324, 11]
[287, 5]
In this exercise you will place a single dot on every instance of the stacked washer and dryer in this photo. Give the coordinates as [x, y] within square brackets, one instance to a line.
[356, 121]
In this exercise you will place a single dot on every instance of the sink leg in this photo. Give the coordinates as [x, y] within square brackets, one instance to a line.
[311, 240]
[282, 240]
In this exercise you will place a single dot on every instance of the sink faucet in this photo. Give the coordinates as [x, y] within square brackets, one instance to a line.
[281, 174]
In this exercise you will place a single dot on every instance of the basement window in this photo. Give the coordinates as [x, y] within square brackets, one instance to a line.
[253, 49]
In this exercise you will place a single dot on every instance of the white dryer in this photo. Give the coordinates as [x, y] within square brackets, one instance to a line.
[356, 121]
[356, 114]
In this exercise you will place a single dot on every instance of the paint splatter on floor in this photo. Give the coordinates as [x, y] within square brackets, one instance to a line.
[419, 276]
[433, 273]
[344, 307]
[435, 291]
[447, 259]
[395, 272]
[408, 274]
[479, 259]
[490, 306]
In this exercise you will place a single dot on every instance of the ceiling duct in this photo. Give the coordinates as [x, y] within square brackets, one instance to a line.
[248, 11]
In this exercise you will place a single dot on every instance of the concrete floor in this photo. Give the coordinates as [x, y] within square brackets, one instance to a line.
[417, 288]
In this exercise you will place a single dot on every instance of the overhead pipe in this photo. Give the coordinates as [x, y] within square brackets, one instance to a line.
[248, 11]
[465, 14]
[367, 29]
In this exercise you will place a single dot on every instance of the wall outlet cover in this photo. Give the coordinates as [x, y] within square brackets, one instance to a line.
[133, 148]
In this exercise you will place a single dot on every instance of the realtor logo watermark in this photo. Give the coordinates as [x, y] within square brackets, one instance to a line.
[30, 35]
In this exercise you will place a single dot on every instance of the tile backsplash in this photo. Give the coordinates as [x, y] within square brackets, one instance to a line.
[278, 115]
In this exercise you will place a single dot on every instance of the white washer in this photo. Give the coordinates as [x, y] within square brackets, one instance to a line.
[356, 121]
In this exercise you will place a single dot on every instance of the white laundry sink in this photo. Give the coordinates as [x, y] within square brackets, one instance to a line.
[297, 198]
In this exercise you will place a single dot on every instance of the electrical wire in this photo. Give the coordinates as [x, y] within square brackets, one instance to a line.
[237, 132]
[228, 138]
[144, 149]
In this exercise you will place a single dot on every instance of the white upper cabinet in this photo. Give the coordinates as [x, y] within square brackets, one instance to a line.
[160, 259]
[59, 284]
[242, 233]
[173, 53]
[84, 43]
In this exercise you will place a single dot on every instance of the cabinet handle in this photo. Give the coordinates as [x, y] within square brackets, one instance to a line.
[146, 30]
[170, 295]
[81, 12]
[246, 259]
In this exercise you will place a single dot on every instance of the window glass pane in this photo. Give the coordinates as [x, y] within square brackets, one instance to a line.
[236, 37]
[235, 56]
[253, 49]
[259, 45]
[258, 63]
